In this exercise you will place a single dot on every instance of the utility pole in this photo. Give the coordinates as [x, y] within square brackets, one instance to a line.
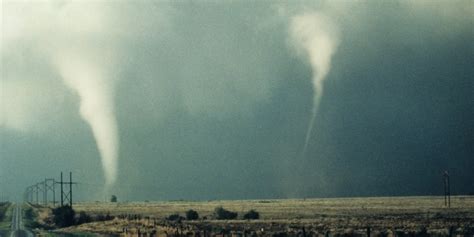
[33, 191]
[31, 194]
[36, 191]
[49, 185]
[1, 193]
[45, 194]
[62, 199]
[40, 187]
[447, 190]
[27, 194]
[66, 196]
[70, 189]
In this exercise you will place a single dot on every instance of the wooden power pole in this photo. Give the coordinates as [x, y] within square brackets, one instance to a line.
[447, 190]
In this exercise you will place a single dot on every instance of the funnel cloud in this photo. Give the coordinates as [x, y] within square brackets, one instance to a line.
[96, 108]
[208, 100]
[315, 36]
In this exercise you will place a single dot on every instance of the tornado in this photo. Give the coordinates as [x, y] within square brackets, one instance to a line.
[315, 38]
[90, 81]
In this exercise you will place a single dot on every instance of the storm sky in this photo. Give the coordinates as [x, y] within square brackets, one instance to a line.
[212, 99]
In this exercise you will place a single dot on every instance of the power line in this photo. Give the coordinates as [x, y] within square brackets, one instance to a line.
[49, 185]
[66, 196]
[32, 193]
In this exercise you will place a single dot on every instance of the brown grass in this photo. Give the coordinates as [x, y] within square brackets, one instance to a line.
[290, 208]
[290, 216]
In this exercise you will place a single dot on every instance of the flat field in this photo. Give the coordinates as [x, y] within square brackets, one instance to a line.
[291, 217]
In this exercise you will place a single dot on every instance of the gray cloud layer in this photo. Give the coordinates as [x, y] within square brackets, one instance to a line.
[212, 101]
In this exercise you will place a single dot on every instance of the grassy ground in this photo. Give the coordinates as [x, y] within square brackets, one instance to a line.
[290, 208]
[290, 217]
[31, 216]
[5, 217]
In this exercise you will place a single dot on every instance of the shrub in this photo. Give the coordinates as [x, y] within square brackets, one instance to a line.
[252, 215]
[83, 218]
[175, 217]
[30, 214]
[223, 214]
[3, 209]
[113, 198]
[63, 216]
[101, 217]
[192, 215]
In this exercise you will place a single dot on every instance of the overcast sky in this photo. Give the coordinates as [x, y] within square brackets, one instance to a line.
[157, 100]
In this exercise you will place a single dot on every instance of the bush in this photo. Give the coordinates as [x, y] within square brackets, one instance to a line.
[83, 218]
[113, 198]
[29, 214]
[223, 214]
[3, 208]
[101, 217]
[175, 217]
[192, 215]
[252, 215]
[63, 216]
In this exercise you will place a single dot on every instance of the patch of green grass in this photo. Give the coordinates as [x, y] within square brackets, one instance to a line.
[5, 215]
[29, 217]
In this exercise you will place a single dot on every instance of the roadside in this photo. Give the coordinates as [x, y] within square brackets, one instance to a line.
[39, 219]
[30, 216]
[5, 218]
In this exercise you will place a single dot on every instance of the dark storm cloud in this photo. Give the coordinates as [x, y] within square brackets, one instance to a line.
[212, 101]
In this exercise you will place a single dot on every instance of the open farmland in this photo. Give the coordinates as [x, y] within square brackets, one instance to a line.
[400, 215]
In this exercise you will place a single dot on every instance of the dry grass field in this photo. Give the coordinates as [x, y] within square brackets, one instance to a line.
[292, 208]
[386, 216]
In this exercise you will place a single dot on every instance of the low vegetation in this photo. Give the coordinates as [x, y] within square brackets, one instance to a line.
[31, 217]
[396, 216]
[3, 209]
[192, 215]
[113, 198]
[101, 217]
[222, 214]
[29, 214]
[175, 217]
[5, 212]
[252, 215]
[83, 218]
[64, 216]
